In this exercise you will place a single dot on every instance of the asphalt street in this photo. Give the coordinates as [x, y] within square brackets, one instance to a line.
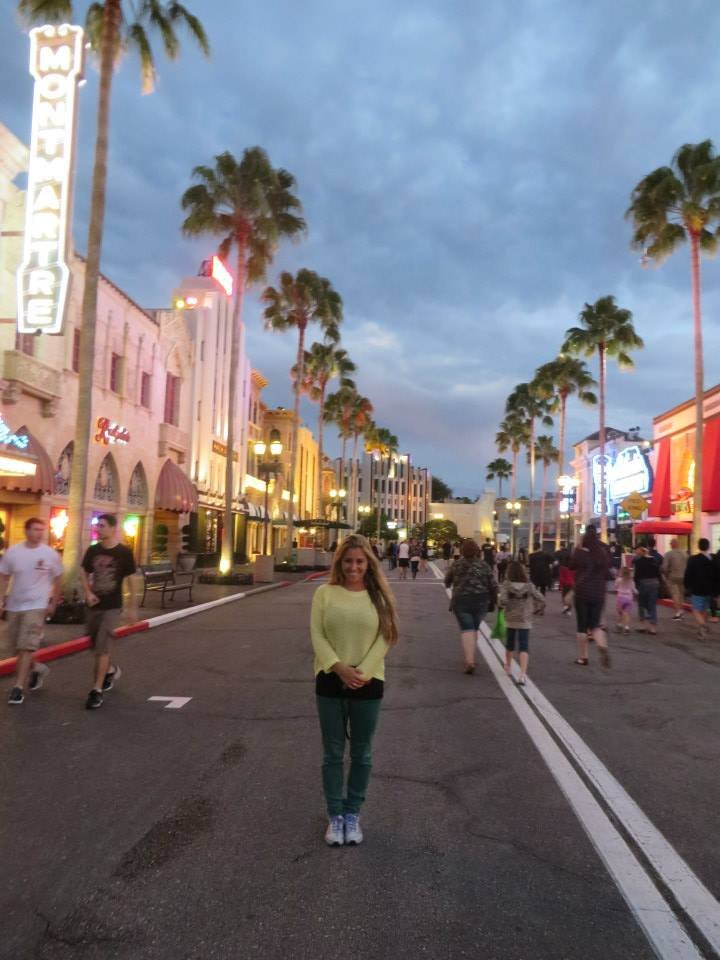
[138, 831]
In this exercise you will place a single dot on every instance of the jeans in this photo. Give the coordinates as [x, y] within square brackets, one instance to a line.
[647, 599]
[360, 718]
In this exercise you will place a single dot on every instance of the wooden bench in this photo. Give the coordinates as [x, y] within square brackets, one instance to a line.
[162, 578]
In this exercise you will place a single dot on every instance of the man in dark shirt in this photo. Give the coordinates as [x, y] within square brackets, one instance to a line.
[105, 566]
[540, 564]
[646, 571]
[701, 582]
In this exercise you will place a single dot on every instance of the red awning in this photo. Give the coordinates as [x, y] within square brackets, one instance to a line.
[711, 466]
[42, 480]
[174, 490]
[660, 504]
[678, 527]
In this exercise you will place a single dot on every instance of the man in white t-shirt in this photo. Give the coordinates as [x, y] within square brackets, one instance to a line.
[34, 570]
[403, 555]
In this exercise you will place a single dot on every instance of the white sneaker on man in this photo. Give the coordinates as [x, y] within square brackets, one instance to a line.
[353, 833]
[335, 833]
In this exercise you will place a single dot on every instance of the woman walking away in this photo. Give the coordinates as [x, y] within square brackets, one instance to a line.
[353, 623]
[626, 592]
[647, 580]
[415, 557]
[518, 596]
[591, 563]
[473, 589]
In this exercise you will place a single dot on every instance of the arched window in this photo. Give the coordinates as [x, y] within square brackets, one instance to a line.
[106, 484]
[137, 490]
[61, 480]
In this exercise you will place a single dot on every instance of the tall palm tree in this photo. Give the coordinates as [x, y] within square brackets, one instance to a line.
[381, 442]
[547, 453]
[360, 421]
[112, 26]
[526, 402]
[558, 379]
[295, 303]
[251, 205]
[323, 362]
[501, 469]
[512, 435]
[607, 330]
[668, 206]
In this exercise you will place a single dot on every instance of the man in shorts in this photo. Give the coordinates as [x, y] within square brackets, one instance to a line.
[673, 569]
[701, 582]
[104, 568]
[36, 571]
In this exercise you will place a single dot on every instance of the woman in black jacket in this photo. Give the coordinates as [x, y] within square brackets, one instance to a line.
[646, 571]
[591, 563]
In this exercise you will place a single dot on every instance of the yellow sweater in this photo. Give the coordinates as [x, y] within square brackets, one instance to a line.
[344, 626]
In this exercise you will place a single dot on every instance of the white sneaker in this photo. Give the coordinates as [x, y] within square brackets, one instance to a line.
[38, 676]
[353, 833]
[335, 835]
[111, 678]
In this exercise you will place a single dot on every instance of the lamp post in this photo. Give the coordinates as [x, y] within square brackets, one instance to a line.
[364, 510]
[568, 486]
[267, 469]
[337, 498]
[513, 508]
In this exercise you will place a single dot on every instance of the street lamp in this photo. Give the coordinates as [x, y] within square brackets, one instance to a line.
[568, 486]
[513, 508]
[267, 469]
[337, 498]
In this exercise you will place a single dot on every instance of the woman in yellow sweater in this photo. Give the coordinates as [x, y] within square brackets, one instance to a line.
[353, 623]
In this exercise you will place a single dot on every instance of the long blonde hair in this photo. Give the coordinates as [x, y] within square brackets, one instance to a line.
[375, 583]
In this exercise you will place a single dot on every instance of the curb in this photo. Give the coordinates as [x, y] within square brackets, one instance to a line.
[79, 644]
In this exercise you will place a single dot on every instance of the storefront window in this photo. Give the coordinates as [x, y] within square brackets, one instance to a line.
[137, 490]
[62, 474]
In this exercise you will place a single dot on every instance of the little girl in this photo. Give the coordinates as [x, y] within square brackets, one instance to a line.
[518, 596]
[626, 592]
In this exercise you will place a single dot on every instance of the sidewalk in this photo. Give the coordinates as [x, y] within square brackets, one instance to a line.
[202, 593]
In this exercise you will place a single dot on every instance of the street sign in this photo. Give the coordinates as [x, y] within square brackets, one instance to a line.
[635, 504]
[172, 703]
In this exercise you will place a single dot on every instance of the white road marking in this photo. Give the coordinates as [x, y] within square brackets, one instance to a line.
[654, 915]
[172, 703]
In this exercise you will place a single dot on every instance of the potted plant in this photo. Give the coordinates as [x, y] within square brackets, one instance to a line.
[186, 559]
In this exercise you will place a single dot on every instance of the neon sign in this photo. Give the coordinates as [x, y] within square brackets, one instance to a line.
[223, 276]
[13, 467]
[10, 439]
[56, 63]
[628, 473]
[110, 432]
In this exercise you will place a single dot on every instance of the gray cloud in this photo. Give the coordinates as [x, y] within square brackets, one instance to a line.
[464, 170]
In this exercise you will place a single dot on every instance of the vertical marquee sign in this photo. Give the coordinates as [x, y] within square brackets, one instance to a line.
[56, 63]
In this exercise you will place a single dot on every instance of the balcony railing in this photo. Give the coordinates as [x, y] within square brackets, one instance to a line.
[25, 374]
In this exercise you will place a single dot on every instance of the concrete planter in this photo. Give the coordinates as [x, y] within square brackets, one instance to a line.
[263, 571]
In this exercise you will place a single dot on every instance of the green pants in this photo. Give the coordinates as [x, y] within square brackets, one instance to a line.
[359, 718]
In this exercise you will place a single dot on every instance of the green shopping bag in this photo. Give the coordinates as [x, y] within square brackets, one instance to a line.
[499, 630]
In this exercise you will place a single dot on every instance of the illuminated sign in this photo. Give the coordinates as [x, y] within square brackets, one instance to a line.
[59, 520]
[628, 473]
[110, 432]
[223, 276]
[15, 467]
[10, 439]
[56, 63]
[220, 448]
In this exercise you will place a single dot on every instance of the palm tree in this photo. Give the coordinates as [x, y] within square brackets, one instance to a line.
[558, 379]
[528, 403]
[512, 435]
[251, 205]
[296, 302]
[381, 442]
[323, 362]
[608, 331]
[338, 411]
[668, 206]
[501, 469]
[360, 421]
[547, 452]
[112, 27]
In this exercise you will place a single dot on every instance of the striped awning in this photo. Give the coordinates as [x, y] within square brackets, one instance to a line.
[174, 490]
[41, 481]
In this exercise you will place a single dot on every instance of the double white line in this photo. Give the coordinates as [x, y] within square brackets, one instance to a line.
[569, 759]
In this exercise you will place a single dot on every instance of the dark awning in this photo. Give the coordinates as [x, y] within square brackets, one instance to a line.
[174, 490]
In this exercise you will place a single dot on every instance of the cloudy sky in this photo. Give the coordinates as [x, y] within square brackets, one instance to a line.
[464, 169]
